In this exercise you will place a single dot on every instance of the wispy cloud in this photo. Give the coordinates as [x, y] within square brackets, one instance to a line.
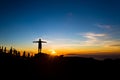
[104, 26]
[101, 41]
[93, 39]
[112, 43]
[115, 45]
[93, 36]
[88, 39]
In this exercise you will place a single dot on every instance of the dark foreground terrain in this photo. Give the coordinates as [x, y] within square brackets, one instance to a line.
[46, 67]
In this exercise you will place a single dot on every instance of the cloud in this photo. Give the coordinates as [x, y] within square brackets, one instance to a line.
[112, 43]
[85, 40]
[115, 45]
[93, 36]
[100, 40]
[103, 26]
[93, 39]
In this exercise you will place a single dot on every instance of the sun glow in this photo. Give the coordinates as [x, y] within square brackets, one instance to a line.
[52, 52]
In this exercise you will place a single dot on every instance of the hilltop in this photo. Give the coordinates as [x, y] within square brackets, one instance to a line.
[53, 67]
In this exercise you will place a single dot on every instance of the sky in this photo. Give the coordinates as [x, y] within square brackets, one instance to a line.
[68, 26]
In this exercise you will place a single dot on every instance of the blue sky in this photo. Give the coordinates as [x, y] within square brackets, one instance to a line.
[22, 21]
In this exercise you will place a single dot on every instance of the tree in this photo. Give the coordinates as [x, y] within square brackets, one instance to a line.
[18, 53]
[15, 52]
[24, 53]
[2, 49]
[5, 50]
[11, 50]
[28, 54]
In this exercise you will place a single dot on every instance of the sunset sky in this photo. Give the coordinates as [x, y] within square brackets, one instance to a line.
[68, 26]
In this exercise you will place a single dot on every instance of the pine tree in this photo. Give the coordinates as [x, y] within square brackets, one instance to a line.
[5, 50]
[28, 55]
[24, 53]
[11, 50]
[18, 53]
[2, 49]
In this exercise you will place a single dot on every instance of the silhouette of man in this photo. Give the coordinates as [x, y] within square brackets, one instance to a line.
[39, 45]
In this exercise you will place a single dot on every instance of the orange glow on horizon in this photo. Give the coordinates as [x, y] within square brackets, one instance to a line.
[52, 52]
[69, 50]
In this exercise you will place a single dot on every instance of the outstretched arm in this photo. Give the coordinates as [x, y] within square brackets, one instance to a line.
[43, 41]
[35, 41]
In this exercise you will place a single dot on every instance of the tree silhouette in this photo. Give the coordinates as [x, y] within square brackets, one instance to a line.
[11, 50]
[18, 53]
[15, 52]
[24, 54]
[2, 49]
[5, 50]
[28, 55]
